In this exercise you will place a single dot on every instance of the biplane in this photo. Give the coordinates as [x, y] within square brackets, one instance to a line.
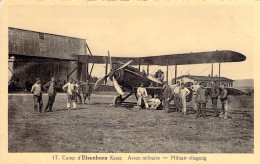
[127, 79]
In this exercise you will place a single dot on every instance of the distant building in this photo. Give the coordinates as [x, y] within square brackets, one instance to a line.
[189, 79]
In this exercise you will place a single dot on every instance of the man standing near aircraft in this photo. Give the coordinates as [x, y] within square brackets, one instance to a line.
[214, 93]
[224, 101]
[86, 90]
[71, 94]
[37, 95]
[201, 99]
[176, 94]
[142, 95]
[52, 87]
[166, 95]
[183, 93]
[194, 88]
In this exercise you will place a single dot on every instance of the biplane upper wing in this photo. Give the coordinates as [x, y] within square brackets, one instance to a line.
[173, 59]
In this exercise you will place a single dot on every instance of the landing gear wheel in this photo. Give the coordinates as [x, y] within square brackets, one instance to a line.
[117, 101]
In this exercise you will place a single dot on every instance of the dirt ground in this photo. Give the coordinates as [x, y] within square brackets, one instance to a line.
[104, 129]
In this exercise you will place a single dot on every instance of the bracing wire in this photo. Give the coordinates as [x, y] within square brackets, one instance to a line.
[203, 70]
[154, 70]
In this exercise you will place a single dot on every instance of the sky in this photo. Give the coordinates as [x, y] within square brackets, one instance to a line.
[149, 29]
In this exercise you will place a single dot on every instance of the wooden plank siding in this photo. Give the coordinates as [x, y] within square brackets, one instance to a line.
[35, 54]
[32, 43]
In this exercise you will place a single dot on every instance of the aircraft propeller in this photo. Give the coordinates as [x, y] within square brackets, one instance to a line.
[111, 73]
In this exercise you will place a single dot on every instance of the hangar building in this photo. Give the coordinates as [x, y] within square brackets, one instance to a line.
[35, 54]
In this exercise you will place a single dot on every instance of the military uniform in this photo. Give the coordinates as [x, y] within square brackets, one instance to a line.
[71, 95]
[201, 99]
[86, 90]
[183, 93]
[176, 96]
[194, 88]
[154, 103]
[224, 101]
[166, 95]
[214, 93]
[37, 95]
[52, 87]
[142, 95]
[78, 93]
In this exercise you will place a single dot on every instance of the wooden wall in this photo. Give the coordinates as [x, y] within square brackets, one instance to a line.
[31, 43]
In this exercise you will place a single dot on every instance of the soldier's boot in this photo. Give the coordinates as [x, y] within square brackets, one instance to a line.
[225, 115]
[51, 108]
[221, 114]
[215, 113]
[204, 113]
[45, 110]
[197, 113]
[195, 110]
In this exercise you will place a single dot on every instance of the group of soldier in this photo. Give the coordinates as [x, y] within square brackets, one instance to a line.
[179, 93]
[73, 89]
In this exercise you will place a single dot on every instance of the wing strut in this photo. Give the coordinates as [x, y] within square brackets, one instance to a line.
[147, 69]
[211, 71]
[139, 64]
[175, 80]
[106, 69]
[219, 75]
[167, 71]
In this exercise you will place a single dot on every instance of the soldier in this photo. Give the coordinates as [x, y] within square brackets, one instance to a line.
[159, 75]
[142, 95]
[201, 99]
[166, 95]
[224, 101]
[183, 93]
[214, 93]
[194, 88]
[176, 96]
[59, 86]
[86, 90]
[71, 94]
[37, 95]
[78, 93]
[52, 90]
[154, 102]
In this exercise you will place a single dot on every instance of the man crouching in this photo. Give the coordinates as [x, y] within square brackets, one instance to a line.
[154, 103]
